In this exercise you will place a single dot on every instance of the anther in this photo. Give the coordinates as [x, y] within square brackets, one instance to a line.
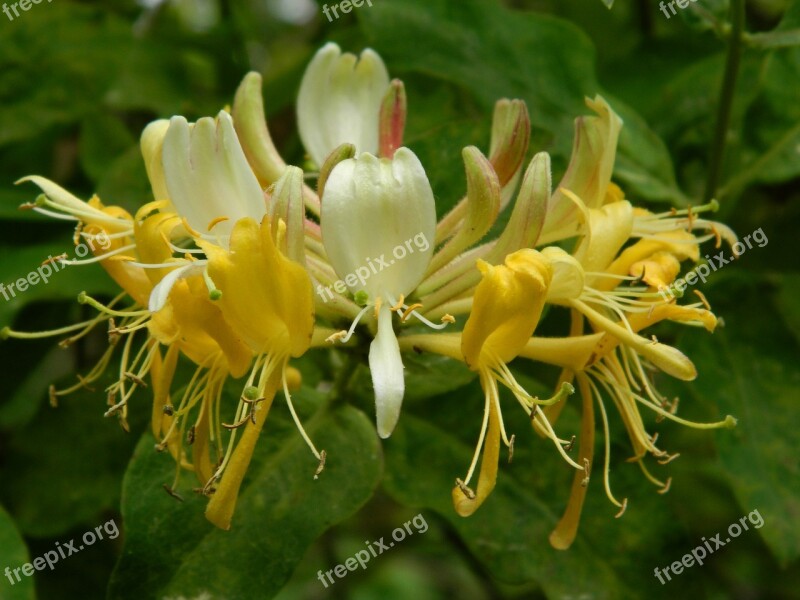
[136, 379]
[465, 489]
[77, 235]
[168, 410]
[717, 237]
[173, 493]
[53, 259]
[511, 448]
[570, 445]
[669, 458]
[216, 221]
[322, 457]
[335, 337]
[448, 318]
[703, 299]
[409, 310]
[51, 392]
[190, 435]
[666, 486]
[238, 424]
[622, 509]
[399, 305]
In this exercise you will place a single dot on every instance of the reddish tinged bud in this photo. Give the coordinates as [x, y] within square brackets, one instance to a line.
[392, 119]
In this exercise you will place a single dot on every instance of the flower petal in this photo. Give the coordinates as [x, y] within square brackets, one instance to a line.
[386, 367]
[340, 101]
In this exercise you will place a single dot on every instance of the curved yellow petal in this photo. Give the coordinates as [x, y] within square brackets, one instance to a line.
[266, 298]
[506, 308]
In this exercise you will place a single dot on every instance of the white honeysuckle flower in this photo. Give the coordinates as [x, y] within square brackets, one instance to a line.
[339, 101]
[370, 208]
[207, 176]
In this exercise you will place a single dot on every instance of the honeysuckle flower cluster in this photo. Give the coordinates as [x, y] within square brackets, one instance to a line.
[223, 267]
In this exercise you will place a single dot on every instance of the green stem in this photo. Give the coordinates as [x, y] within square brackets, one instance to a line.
[726, 97]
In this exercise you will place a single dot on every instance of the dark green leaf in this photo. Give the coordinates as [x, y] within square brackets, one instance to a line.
[13, 554]
[170, 548]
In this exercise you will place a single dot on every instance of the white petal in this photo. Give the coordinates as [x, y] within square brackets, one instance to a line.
[339, 101]
[160, 293]
[379, 219]
[386, 367]
[207, 174]
[152, 142]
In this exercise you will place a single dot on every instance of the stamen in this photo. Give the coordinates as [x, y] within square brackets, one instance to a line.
[84, 298]
[484, 426]
[216, 221]
[335, 337]
[60, 258]
[465, 489]
[48, 213]
[622, 510]
[99, 257]
[607, 443]
[410, 310]
[669, 458]
[703, 299]
[399, 304]
[173, 493]
[238, 424]
[320, 455]
[345, 336]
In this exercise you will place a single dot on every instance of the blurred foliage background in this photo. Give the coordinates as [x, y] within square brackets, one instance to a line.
[79, 81]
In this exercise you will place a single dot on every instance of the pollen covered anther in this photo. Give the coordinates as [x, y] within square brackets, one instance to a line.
[465, 489]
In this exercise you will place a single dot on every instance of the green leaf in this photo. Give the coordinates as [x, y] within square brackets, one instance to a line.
[67, 463]
[171, 550]
[746, 371]
[13, 554]
[103, 138]
[787, 300]
[56, 65]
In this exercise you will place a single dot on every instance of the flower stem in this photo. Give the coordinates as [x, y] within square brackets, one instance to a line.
[726, 97]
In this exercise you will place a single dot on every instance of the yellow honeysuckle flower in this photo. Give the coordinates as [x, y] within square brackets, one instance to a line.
[506, 308]
[268, 301]
[507, 305]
